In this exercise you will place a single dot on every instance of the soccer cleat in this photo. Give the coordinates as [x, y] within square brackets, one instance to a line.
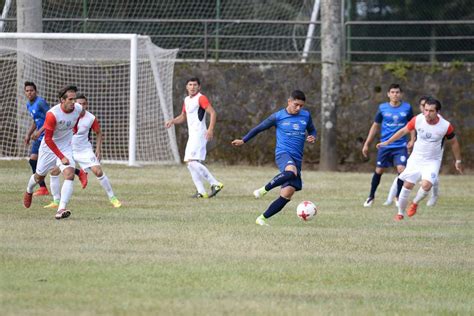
[398, 217]
[432, 201]
[41, 191]
[369, 202]
[62, 213]
[412, 210]
[259, 192]
[261, 221]
[53, 204]
[83, 178]
[387, 203]
[27, 198]
[198, 195]
[115, 202]
[216, 188]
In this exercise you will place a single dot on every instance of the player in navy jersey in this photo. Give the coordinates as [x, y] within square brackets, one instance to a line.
[291, 123]
[37, 107]
[391, 117]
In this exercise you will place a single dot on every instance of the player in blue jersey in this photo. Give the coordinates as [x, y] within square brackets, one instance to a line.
[391, 117]
[37, 107]
[291, 123]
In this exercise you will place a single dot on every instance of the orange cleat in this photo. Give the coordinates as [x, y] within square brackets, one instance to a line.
[27, 198]
[41, 191]
[83, 178]
[398, 217]
[412, 210]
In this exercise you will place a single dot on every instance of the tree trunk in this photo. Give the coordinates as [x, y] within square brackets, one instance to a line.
[331, 34]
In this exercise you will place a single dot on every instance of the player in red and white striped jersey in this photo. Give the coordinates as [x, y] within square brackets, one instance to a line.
[56, 148]
[425, 160]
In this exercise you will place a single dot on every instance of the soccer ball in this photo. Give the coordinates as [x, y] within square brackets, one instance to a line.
[306, 210]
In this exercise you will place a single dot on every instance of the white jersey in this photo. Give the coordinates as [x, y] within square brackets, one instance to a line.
[80, 140]
[195, 109]
[429, 138]
[62, 124]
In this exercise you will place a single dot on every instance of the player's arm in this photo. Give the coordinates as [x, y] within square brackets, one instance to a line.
[98, 139]
[374, 129]
[212, 121]
[30, 132]
[37, 133]
[456, 148]
[311, 138]
[177, 120]
[49, 126]
[412, 140]
[264, 125]
[399, 134]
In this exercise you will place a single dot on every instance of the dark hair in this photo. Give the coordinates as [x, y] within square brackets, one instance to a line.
[81, 96]
[64, 90]
[423, 98]
[298, 95]
[30, 84]
[433, 101]
[394, 86]
[193, 79]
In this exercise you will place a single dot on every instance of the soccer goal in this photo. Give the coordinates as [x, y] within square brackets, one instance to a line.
[126, 78]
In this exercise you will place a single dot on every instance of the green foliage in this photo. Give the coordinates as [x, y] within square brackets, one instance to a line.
[457, 64]
[399, 69]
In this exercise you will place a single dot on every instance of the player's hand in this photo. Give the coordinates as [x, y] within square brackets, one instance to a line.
[65, 161]
[459, 167]
[98, 155]
[311, 139]
[209, 134]
[35, 135]
[26, 140]
[169, 123]
[380, 145]
[237, 142]
[365, 150]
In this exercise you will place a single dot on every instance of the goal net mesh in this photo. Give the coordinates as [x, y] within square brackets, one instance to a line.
[101, 70]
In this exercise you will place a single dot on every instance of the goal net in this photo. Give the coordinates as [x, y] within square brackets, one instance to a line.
[126, 78]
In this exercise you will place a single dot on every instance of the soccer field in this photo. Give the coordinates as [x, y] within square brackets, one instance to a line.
[165, 253]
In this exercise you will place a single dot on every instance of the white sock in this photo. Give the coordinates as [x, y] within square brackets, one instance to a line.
[31, 184]
[403, 200]
[393, 190]
[420, 195]
[435, 189]
[105, 183]
[66, 192]
[195, 175]
[205, 173]
[55, 187]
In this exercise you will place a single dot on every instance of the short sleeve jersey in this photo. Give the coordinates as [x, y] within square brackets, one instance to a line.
[38, 109]
[80, 140]
[62, 125]
[195, 109]
[429, 138]
[393, 119]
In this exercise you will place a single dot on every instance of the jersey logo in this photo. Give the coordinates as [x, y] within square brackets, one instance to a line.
[395, 118]
[403, 114]
[428, 135]
[296, 126]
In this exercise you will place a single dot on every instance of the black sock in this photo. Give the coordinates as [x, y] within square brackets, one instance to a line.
[42, 184]
[399, 187]
[33, 164]
[77, 171]
[375, 183]
[275, 207]
[279, 179]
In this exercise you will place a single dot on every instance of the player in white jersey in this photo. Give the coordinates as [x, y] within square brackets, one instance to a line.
[56, 148]
[425, 160]
[195, 107]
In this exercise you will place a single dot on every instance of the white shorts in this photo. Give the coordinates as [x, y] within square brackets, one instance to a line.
[47, 160]
[86, 158]
[425, 170]
[196, 148]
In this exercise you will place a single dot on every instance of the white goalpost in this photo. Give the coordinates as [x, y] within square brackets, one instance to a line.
[127, 79]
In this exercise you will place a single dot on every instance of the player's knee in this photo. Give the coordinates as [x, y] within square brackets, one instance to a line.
[97, 171]
[426, 185]
[38, 178]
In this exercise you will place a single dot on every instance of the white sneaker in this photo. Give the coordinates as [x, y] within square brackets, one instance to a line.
[369, 202]
[62, 213]
[259, 192]
[432, 201]
[261, 221]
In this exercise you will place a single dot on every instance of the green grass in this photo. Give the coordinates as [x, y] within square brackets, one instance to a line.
[165, 253]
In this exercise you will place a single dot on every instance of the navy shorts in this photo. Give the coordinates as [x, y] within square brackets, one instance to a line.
[282, 160]
[35, 147]
[388, 157]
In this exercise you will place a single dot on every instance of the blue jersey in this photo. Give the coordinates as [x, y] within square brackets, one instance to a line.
[290, 131]
[393, 119]
[38, 110]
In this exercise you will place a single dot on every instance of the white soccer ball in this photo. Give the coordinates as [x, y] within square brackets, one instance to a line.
[306, 210]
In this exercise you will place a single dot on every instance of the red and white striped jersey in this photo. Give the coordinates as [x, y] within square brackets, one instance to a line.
[62, 125]
[195, 109]
[80, 140]
[429, 137]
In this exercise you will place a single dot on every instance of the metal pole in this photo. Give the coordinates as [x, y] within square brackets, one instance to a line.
[218, 16]
[205, 42]
[133, 100]
[309, 36]
[85, 14]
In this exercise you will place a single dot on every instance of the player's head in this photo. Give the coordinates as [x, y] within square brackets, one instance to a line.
[394, 93]
[431, 109]
[30, 90]
[422, 101]
[193, 85]
[82, 100]
[67, 96]
[296, 101]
